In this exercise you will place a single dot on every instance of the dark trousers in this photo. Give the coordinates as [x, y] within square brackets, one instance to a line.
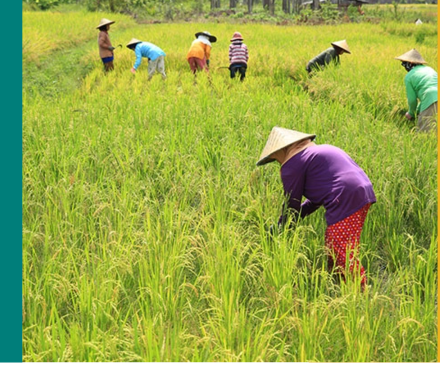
[238, 67]
[108, 66]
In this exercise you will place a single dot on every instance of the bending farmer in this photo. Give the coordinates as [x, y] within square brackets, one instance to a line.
[329, 55]
[156, 57]
[200, 51]
[421, 84]
[327, 177]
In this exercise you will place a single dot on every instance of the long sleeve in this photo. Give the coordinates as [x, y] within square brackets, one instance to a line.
[104, 44]
[104, 40]
[138, 54]
[238, 53]
[331, 56]
[411, 96]
[324, 175]
[308, 208]
[293, 190]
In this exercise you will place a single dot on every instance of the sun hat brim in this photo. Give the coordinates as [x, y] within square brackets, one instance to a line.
[342, 45]
[105, 22]
[412, 56]
[133, 42]
[211, 38]
[280, 138]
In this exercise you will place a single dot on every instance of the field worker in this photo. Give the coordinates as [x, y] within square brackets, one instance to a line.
[329, 55]
[421, 84]
[200, 51]
[326, 176]
[105, 46]
[156, 57]
[238, 56]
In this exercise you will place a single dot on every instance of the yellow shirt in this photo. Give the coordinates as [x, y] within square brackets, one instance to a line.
[199, 50]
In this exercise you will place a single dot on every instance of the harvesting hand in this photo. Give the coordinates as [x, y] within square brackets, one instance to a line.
[133, 71]
[207, 63]
[408, 116]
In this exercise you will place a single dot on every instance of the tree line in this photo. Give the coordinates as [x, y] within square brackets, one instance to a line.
[287, 6]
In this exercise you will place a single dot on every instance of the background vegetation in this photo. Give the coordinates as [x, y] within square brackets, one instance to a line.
[244, 11]
[144, 215]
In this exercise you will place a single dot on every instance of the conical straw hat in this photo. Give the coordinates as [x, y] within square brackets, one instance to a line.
[278, 139]
[343, 45]
[133, 41]
[103, 22]
[412, 56]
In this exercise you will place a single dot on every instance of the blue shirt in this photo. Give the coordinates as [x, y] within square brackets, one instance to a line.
[327, 177]
[148, 50]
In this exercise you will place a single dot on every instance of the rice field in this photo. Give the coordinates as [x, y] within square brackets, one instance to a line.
[145, 216]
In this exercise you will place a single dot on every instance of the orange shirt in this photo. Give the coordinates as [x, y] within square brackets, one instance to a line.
[199, 50]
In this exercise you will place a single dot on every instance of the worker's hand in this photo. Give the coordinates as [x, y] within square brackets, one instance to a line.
[408, 116]
[207, 63]
[133, 71]
[111, 48]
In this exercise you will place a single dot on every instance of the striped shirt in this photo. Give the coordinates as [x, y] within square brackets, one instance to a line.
[238, 53]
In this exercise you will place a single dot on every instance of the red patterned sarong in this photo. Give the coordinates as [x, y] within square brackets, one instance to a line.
[342, 238]
[196, 63]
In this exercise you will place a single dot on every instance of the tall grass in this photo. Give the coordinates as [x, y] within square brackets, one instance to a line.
[144, 215]
[45, 32]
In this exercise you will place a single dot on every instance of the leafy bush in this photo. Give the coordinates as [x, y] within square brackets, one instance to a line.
[329, 11]
[43, 4]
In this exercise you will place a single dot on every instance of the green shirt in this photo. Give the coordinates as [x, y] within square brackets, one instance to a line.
[421, 83]
[323, 59]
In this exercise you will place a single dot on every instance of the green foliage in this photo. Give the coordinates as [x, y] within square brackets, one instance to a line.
[396, 10]
[353, 13]
[422, 34]
[237, 15]
[329, 11]
[405, 13]
[43, 4]
[198, 6]
[305, 14]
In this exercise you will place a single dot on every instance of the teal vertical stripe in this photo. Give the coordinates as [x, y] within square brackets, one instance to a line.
[10, 183]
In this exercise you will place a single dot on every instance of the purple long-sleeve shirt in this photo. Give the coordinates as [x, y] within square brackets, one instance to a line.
[326, 176]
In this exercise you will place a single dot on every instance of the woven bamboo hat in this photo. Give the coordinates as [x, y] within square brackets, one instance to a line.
[343, 45]
[278, 139]
[412, 56]
[133, 42]
[211, 38]
[103, 22]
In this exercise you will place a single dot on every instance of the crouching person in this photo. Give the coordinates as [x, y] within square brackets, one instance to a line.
[421, 90]
[156, 57]
[326, 176]
[330, 55]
